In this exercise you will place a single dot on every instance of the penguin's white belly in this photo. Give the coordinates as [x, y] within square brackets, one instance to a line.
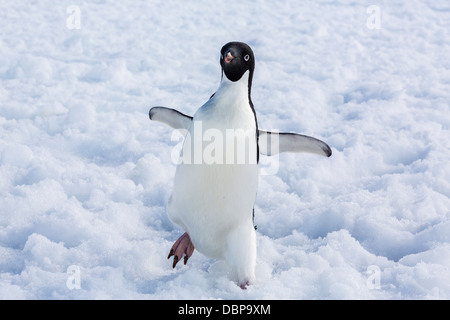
[210, 201]
[215, 185]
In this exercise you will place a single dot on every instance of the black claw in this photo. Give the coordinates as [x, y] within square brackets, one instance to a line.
[175, 261]
[185, 259]
[170, 253]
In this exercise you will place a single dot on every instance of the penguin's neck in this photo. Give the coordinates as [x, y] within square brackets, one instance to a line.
[233, 94]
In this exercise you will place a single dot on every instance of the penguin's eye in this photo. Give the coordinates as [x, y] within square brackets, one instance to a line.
[247, 57]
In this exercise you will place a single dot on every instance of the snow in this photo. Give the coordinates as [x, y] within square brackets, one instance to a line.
[85, 175]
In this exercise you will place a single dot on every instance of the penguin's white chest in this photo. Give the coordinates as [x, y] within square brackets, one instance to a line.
[217, 177]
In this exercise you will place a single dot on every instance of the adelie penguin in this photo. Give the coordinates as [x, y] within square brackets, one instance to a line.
[213, 199]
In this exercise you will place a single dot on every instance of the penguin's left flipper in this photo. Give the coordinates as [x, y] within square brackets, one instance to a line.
[270, 143]
[172, 117]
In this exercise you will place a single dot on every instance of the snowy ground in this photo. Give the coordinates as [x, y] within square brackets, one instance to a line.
[85, 175]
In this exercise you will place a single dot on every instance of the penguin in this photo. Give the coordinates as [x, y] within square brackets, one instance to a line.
[216, 181]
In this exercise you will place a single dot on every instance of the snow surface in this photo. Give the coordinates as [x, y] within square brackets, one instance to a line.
[85, 175]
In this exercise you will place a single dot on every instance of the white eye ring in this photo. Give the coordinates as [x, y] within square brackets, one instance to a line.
[246, 57]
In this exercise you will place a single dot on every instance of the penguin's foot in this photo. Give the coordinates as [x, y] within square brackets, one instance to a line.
[183, 246]
[244, 285]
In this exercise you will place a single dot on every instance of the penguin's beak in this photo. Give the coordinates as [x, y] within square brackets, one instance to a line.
[228, 57]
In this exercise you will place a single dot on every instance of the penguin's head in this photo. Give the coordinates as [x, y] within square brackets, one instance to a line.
[236, 58]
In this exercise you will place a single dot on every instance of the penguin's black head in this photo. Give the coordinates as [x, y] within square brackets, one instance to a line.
[236, 58]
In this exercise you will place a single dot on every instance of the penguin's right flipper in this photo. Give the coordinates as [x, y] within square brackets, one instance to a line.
[171, 117]
[271, 143]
